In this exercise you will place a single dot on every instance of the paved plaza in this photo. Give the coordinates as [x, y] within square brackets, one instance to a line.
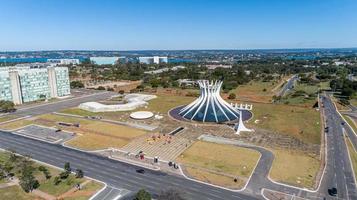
[47, 134]
[166, 147]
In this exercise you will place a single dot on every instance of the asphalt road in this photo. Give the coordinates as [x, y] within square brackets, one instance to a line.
[288, 86]
[62, 104]
[338, 173]
[114, 173]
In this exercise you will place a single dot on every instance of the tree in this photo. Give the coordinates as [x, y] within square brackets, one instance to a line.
[57, 180]
[7, 106]
[27, 179]
[110, 89]
[42, 96]
[79, 173]
[170, 194]
[100, 88]
[121, 92]
[232, 96]
[67, 167]
[45, 171]
[76, 84]
[142, 195]
[64, 175]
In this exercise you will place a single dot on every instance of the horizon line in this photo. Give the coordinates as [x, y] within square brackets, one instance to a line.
[218, 49]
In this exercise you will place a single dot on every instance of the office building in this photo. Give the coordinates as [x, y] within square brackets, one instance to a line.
[21, 84]
[104, 60]
[64, 61]
[153, 60]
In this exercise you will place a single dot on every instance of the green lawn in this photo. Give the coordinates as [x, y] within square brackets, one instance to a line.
[299, 122]
[350, 122]
[353, 155]
[46, 185]
[309, 89]
[164, 103]
[7, 118]
[56, 190]
[256, 91]
[78, 111]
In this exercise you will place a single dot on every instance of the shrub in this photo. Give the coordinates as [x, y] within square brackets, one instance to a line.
[232, 96]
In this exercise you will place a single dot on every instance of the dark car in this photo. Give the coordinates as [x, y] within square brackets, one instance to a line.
[342, 123]
[141, 171]
[332, 191]
[326, 129]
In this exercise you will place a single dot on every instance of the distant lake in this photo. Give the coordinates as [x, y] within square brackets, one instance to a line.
[28, 60]
[43, 60]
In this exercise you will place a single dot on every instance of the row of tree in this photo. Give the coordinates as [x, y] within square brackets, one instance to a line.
[170, 194]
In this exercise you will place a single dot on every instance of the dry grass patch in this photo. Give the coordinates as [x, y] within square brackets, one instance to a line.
[224, 159]
[86, 192]
[7, 118]
[164, 103]
[16, 193]
[301, 123]
[258, 91]
[295, 168]
[215, 179]
[16, 124]
[93, 135]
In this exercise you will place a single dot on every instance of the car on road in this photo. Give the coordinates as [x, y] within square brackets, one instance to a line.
[140, 171]
[332, 191]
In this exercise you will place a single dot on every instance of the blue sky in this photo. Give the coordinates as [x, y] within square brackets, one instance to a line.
[176, 24]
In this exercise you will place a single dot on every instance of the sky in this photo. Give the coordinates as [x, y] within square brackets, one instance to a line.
[176, 24]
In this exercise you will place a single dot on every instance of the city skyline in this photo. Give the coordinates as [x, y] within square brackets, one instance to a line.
[178, 25]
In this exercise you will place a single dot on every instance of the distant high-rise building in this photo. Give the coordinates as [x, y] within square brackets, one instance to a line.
[64, 61]
[21, 84]
[153, 60]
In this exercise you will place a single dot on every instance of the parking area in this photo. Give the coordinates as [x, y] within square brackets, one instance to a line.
[48, 134]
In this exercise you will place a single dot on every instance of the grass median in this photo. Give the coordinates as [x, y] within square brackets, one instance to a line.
[353, 155]
[298, 122]
[93, 135]
[295, 168]
[219, 163]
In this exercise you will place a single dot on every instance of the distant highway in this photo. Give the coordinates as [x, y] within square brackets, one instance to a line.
[288, 86]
